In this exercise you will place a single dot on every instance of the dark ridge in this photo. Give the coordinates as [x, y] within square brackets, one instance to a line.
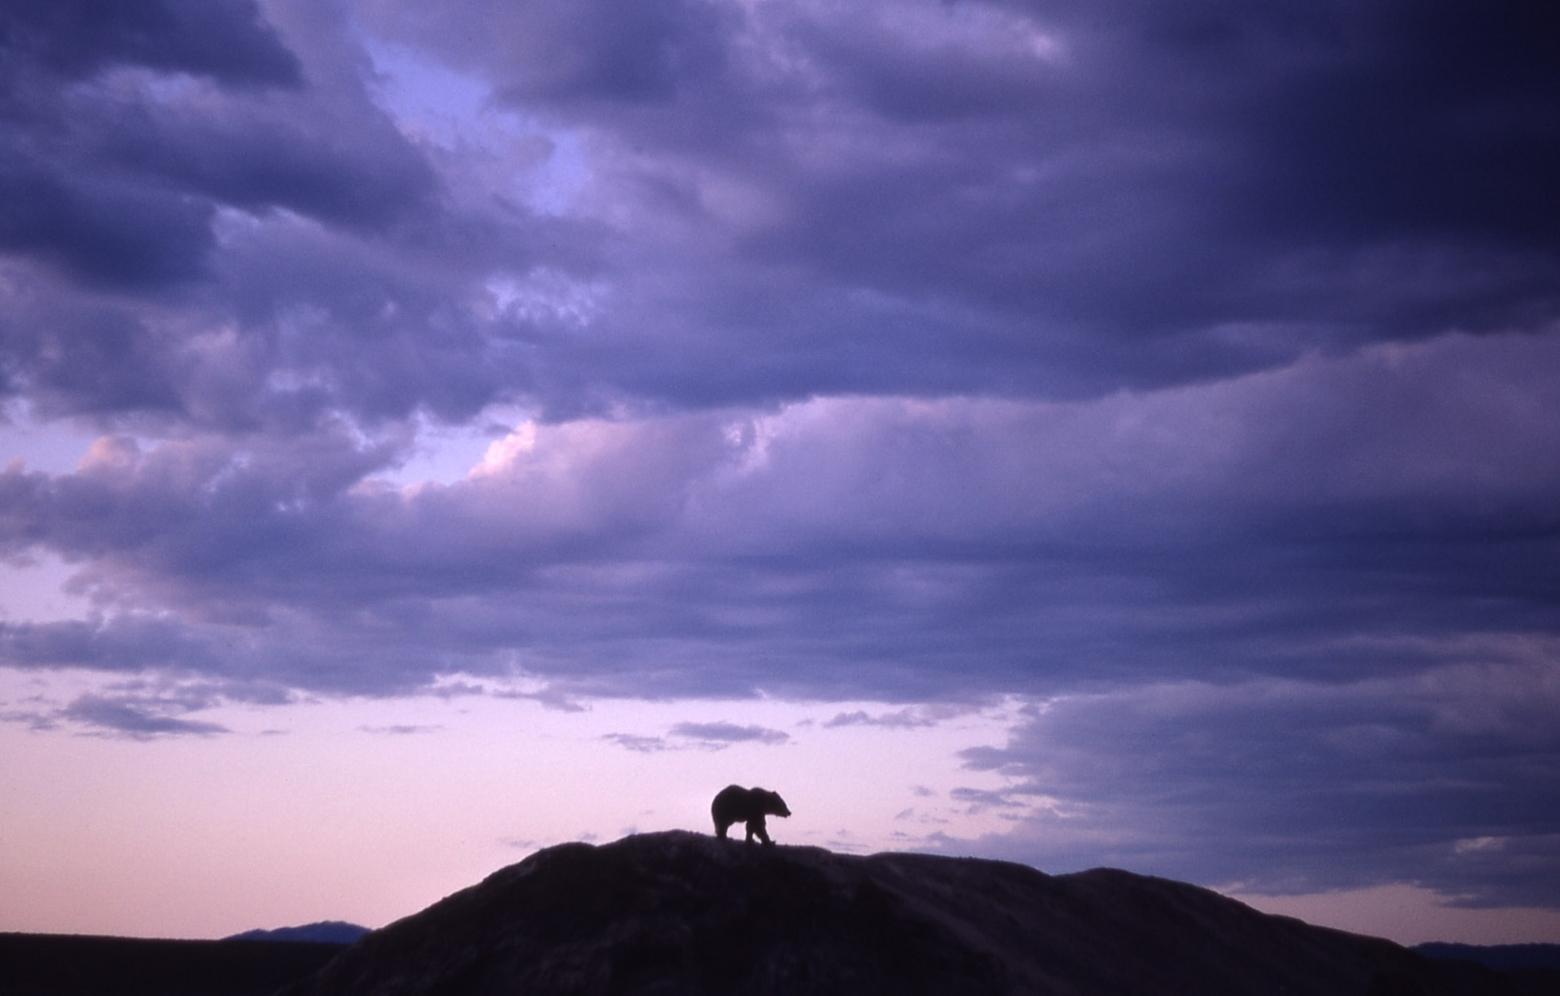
[79, 965]
[684, 913]
[1534, 967]
[1502, 956]
[323, 932]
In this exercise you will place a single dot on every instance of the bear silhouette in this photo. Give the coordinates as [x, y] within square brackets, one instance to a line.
[735, 804]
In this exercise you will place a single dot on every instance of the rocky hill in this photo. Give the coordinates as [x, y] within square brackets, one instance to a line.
[684, 913]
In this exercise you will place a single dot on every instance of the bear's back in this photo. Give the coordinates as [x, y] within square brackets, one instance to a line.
[735, 803]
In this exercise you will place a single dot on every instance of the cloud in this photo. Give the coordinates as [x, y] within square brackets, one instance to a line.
[549, 698]
[137, 718]
[224, 39]
[979, 800]
[1308, 787]
[773, 203]
[902, 719]
[1348, 512]
[102, 231]
[73, 201]
[721, 734]
[638, 743]
[402, 729]
[125, 643]
[154, 703]
[899, 719]
[985, 198]
[35, 720]
[701, 736]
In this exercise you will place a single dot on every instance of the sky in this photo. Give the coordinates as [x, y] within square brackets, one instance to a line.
[1077, 433]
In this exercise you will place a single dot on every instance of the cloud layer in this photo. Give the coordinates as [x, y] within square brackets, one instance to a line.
[1185, 371]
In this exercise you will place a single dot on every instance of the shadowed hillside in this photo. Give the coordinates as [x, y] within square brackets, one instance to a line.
[683, 913]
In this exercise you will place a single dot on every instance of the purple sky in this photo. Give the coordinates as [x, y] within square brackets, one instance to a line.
[1082, 433]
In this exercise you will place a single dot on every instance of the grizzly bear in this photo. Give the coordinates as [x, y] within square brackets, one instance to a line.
[735, 804]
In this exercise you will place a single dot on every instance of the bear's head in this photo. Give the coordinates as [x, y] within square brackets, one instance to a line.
[774, 805]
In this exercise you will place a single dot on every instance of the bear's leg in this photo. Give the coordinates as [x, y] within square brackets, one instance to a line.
[720, 829]
[760, 828]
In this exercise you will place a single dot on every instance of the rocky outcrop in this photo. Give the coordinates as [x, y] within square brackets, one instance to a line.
[685, 913]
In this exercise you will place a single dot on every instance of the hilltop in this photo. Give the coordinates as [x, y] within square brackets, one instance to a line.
[678, 912]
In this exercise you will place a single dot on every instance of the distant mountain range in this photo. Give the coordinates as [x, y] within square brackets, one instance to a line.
[685, 913]
[324, 932]
[1506, 957]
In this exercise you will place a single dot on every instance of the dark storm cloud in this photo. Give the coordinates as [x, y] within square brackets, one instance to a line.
[1432, 778]
[106, 231]
[114, 166]
[1395, 119]
[224, 39]
[68, 356]
[123, 643]
[258, 156]
[63, 201]
[1054, 200]
[271, 260]
[785, 200]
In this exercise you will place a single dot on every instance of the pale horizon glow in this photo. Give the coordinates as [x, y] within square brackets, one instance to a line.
[1410, 915]
[369, 810]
